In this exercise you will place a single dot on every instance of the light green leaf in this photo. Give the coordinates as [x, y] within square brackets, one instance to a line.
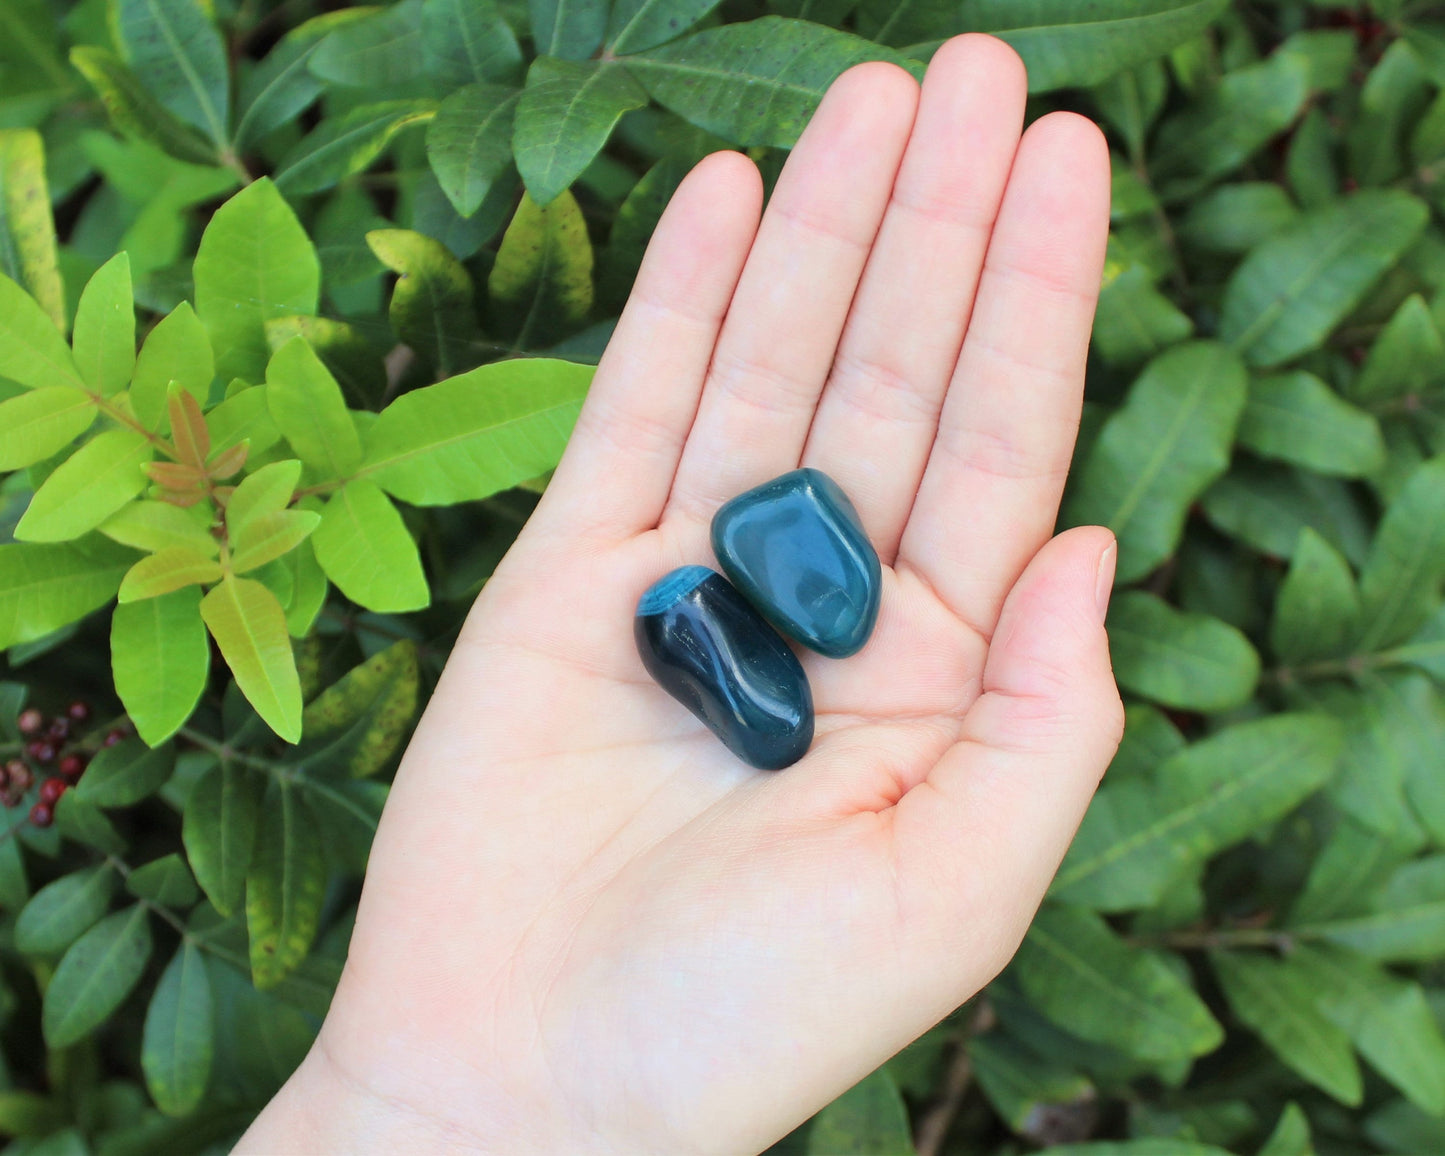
[285, 887]
[869, 1119]
[355, 725]
[126, 773]
[431, 307]
[255, 263]
[540, 285]
[342, 146]
[564, 117]
[267, 491]
[1405, 921]
[1297, 418]
[43, 588]
[1087, 980]
[95, 975]
[268, 536]
[219, 832]
[1158, 453]
[1273, 1000]
[352, 359]
[469, 40]
[42, 422]
[178, 1041]
[470, 436]
[754, 83]
[135, 112]
[155, 526]
[1290, 292]
[1140, 835]
[177, 53]
[1318, 604]
[1189, 661]
[308, 590]
[104, 338]
[166, 881]
[249, 626]
[32, 352]
[244, 416]
[364, 547]
[178, 350]
[571, 29]
[1407, 358]
[167, 571]
[382, 50]
[1291, 1136]
[1400, 583]
[60, 912]
[308, 408]
[87, 488]
[27, 250]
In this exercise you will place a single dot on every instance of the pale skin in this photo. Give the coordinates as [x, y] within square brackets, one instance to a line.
[586, 927]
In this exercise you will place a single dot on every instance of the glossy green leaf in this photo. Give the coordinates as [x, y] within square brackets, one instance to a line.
[87, 488]
[309, 410]
[249, 626]
[166, 881]
[1089, 981]
[469, 142]
[135, 112]
[125, 773]
[356, 725]
[1277, 1005]
[167, 571]
[473, 435]
[42, 422]
[32, 351]
[285, 887]
[27, 248]
[364, 547]
[540, 285]
[1407, 358]
[255, 263]
[431, 307]
[1158, 453]
[177, 53]
[177, 349]
[244, 416]
[268, 536]
[219, 832]
[1318, 604]
[869, 1119]
[95, 975]
[1189, 661]
[267, 491]
[1401, 580]
[155, 526]
[1297, 418]
[1291, 291]
[104, 337]
[564, 117]
[571, 29]
[45, 587]
[60, 912]
[178, 1041]
[467, 41]
[342, 146]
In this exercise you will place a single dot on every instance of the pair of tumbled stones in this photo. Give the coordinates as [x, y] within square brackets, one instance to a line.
[801, 564]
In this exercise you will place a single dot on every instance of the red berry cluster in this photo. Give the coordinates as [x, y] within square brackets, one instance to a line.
[45, 748]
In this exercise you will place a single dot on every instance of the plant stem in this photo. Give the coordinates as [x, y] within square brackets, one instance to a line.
[934, 1125]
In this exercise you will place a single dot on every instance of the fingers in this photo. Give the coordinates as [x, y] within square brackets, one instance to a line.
[990, 493]
[981, 838]
[879, 411]
[645, 394]
[782, 328]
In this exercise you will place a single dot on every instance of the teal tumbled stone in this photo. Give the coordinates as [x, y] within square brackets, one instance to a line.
[796, 549]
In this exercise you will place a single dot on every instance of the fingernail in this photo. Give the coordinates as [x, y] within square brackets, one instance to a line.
[1104, 579]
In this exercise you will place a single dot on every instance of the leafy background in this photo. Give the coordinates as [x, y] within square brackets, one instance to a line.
[369, 255]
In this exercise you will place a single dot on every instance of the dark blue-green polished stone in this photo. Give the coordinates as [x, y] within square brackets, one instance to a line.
[796, 550]
[711, 651]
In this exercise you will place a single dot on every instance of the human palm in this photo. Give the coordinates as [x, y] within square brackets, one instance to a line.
[586, 927]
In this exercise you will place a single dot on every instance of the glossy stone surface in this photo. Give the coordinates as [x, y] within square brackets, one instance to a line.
[796, 550]
[711, 651]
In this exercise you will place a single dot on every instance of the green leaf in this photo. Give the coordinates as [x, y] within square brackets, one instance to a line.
[60, 912]
[1134, 321]
[1318, 604]
[356, 724]
[86, 489]
[268, 536]
[469, 40]
[255, 263]
[347, 812]
[249, 626]
[571, 29]
[1405, 921]
[1020, 1084]
[469, 142]
[244, 416]
[167, 571]
[364, 547]
[27, 250]
[125, 773]
[177, 53]
[473, 435]
[1139, 836]
[869, 1119]
[353, 360]
[43, 588]
[431, 307]
[380, 51]
[1236, 217]
[219, 832]
[309, 590]
[1407, 358]
[32, 351]
[178, 1041]
[636, 25]
[541, 283]
[284, 889]
[1289, 293]
[1189, 661]
[1273, 1000]
[564, 117]
[155, 526]
[41, 422]
[1351, 865]
[104, 338]
[1291, 1136]
[755, 83]
[1297, 418]
[308, 408]
[95, 975]
[178, 350]
[1266, 507]
[267, 491]
[166, 881]
[342, 146]
[1386, 1017]
[135, 112]
[1086, 979]
[86, 823]
[1159, 452]
[1400, 583]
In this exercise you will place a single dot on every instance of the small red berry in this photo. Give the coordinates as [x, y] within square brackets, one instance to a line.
[79, 710]
[51, 790]
[41, 815]
[30, 721]
[59, 729]
[71, 766]
[19, 775]
[114, 736]
[41, 750]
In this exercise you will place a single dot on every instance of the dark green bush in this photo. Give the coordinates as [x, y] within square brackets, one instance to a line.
[347, 302]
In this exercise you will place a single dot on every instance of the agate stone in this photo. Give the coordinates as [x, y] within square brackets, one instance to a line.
[714, 653]
[796, 550]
